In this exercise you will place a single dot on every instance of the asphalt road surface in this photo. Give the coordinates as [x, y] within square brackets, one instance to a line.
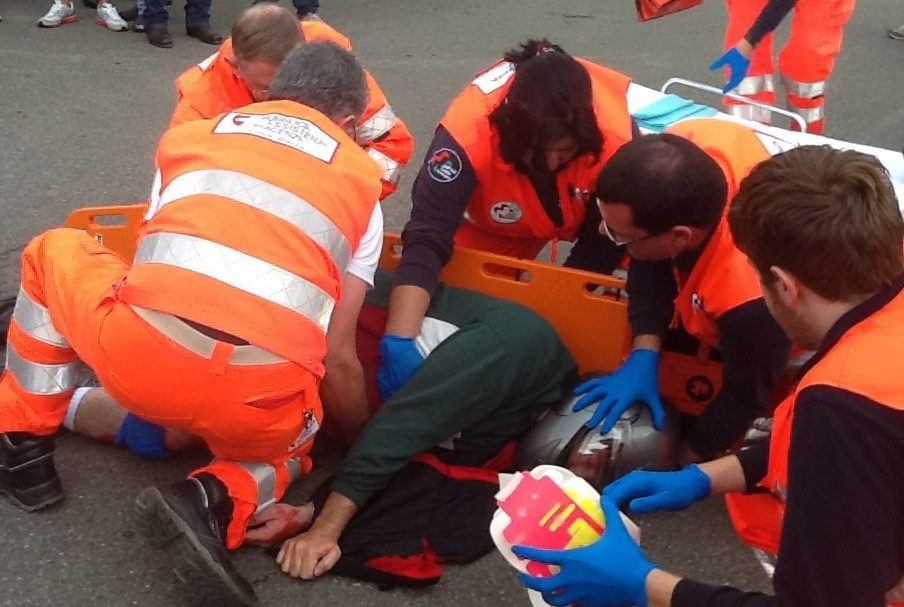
[81, 110]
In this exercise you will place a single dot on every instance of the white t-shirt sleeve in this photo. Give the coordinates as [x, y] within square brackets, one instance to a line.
[365, 260]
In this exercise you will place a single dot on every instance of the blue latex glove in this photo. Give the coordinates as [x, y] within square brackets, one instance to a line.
[637, 379]
[142, 438]
[399, 359]
[738, 66]
[654, 491]
[609, 573]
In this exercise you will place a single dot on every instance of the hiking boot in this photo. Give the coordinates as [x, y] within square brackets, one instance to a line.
[59, 14]
[188, 519]
[205, 34]
[158, 35]
[108, 17]
[28, 477]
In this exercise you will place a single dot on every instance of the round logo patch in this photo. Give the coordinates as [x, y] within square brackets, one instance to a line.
[506, 212]
[444, 165]
[699, 388]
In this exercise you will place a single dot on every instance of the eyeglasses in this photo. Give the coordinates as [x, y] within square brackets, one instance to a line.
[618, 242]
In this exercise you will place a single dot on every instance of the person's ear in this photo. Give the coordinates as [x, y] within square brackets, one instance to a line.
[231, 60]
[785, 286]
[681, 237]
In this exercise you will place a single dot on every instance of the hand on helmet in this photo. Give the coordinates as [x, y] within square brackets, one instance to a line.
[654, 491]
[637, 379]
[399, 359]
[611, 572]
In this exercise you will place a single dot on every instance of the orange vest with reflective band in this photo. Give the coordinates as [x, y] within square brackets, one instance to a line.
[211, 87]
[504, 214]
[722, 279]
[256, 217]
[758, 517]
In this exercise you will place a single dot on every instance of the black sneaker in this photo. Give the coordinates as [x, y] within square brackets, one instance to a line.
[28, 477]
[138, 24]
[189, 520]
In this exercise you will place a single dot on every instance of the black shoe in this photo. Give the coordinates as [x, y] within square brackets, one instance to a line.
[189, 520]
[130, 13]
[138, 24]
[205, 34]
[158, 35]
[27, 474]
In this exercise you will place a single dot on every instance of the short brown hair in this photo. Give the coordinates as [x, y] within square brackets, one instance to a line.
[828, 217]
[265, 32]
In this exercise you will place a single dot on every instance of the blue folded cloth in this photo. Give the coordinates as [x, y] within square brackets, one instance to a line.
[664, 112]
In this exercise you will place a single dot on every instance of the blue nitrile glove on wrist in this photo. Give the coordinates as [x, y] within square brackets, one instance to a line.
[637, 379]
[738, 66]
[609, 573]
[654, 491]
[142, 438]
[399, 359]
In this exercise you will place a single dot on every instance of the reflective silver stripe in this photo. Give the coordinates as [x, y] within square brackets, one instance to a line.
[265, 478]
[238, 270]
[35, 320]
[208, 62]
[811, 114]
[391, 169]
[749, 112]
[44, 379]
[376, 126]
[807, 90]
[265, 197]
[752, 85]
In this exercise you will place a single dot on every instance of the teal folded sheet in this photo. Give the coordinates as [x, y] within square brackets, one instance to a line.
[665, 112]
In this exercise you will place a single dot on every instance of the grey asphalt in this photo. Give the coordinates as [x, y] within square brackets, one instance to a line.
[81, 110]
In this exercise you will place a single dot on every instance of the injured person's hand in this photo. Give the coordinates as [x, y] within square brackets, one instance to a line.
[278, 523]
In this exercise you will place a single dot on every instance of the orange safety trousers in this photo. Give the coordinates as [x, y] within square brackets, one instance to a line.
[253, 417]
[806, 61]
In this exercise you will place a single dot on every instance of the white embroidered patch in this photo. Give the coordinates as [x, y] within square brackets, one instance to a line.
[506, 212]
[494, 77]
[298, 133]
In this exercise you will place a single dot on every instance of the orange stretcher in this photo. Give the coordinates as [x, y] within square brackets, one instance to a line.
[588, 310]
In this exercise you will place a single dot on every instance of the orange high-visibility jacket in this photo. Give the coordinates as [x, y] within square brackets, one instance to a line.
[722, 279]
[257, 215]
[504, 214]
[210, 88]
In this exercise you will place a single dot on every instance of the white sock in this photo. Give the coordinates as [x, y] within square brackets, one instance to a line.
[74, 402]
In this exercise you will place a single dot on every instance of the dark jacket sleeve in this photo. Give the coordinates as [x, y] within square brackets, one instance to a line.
[651, 291]
[436, 213]
[844, 522]
[768, 19]
[754, 351]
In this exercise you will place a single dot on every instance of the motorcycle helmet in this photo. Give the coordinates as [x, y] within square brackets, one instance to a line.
[561, 437]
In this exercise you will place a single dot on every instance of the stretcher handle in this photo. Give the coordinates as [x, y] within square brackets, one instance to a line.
[734, 96]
